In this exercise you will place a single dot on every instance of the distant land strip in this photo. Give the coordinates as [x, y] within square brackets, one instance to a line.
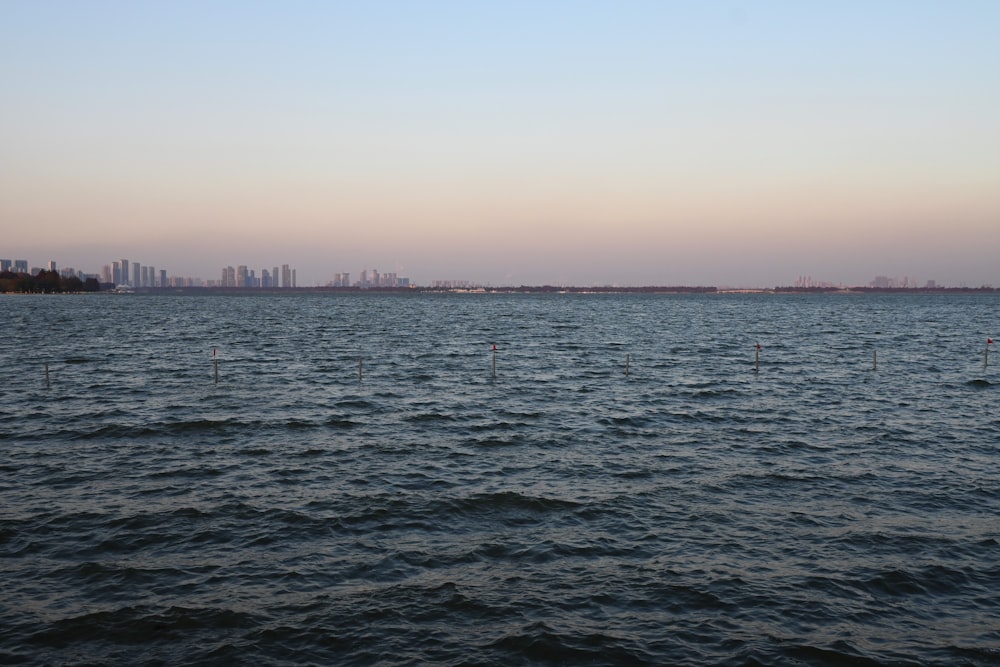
[553, 289]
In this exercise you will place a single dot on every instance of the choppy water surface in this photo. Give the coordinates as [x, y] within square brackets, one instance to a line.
[819, 511]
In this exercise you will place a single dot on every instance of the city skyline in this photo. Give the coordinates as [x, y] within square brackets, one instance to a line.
[243, 276]
[643, 143]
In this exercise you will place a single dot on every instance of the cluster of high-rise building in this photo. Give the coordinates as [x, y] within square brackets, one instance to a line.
[135, 275]
[373, 278]
[808, 282]
[370, 279]
[905, 282]
[121, 273]
[21, 266]
[241, 276]
[15, 265]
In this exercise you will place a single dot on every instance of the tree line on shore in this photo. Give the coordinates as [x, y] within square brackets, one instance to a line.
[45, 282]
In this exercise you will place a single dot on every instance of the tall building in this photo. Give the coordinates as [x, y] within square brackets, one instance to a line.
[286, 276]
[265, 278]
[20, 266]
[135, 274]
[228, 277]
[152, 276]
[52, 265]
[163, 277]
[241, 276]
[123, 277]
[6, 264]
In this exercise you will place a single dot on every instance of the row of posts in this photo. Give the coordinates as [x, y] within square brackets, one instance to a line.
[628, 358]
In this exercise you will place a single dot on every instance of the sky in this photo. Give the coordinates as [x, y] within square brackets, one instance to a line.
[712, 142]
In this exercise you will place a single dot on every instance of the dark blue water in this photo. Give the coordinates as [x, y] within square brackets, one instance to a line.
[693, 511]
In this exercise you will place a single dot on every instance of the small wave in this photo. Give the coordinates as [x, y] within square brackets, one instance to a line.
[928, 581]
[256, 451]
[357, 403]
[341, 422]
[513, 502]
[539, 644]
[137, 625]
[499, 442]
[430, 417]
[635, 422]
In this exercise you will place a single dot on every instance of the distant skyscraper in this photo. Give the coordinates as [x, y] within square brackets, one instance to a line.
[135, 274]
[52, 265]
[241, 276]
[20, 266]
[123, 278]
[6, 264]
[163, 277]
[286, 276]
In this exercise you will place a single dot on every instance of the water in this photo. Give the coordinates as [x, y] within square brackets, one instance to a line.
[694, 511]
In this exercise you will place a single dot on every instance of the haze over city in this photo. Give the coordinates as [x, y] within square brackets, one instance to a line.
[577, 143]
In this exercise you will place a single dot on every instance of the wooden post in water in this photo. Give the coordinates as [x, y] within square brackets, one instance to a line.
[494, 361]
[875, 354]
[360, 362]
[47, 384]
[756, 359]
[986, 353]
[215, 363]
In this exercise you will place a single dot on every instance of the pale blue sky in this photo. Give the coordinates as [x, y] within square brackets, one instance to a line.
[736, 143]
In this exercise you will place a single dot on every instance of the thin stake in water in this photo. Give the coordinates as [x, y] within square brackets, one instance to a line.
[494, 361]
[756, 358]
[986, 353]
[360, 361]
[215, 363]
[47, 384]
[626, 362]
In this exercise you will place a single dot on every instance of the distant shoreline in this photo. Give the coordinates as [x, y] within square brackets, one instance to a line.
[545, 289]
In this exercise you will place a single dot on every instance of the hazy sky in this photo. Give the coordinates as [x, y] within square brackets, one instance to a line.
[723, 143]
